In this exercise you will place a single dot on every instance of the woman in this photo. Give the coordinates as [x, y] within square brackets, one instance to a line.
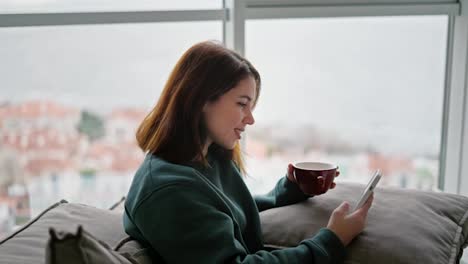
[188, 201]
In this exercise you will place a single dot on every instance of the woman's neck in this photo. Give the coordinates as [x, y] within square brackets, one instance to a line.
[206, 147]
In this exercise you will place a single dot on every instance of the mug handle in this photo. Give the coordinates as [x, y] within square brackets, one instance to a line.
[294, 175]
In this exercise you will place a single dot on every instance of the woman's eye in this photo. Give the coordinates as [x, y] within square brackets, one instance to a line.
[242, 104]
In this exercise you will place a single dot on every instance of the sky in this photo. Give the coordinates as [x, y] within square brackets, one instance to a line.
[377, 80]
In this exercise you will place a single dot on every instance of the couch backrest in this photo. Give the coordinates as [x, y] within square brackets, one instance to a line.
[28, 243]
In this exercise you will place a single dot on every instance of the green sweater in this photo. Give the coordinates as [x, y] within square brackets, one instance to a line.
[190, 214]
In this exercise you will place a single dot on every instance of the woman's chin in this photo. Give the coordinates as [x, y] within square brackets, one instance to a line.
[229, 145]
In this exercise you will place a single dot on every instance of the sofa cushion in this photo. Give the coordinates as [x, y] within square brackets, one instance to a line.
[403, 226]
[28, 243]
[80, 248]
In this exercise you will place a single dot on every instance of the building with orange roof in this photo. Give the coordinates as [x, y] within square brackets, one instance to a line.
[121, 124]
[43, 135]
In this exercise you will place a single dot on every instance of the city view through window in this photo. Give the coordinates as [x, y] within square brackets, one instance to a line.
[364, 93]
[73, 96]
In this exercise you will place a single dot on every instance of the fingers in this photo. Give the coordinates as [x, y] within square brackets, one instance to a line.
[333, 185]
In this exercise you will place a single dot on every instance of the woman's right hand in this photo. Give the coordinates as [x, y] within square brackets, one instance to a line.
[348, 226]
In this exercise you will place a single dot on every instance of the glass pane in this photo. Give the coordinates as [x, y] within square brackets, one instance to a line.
[33, 6]
[364, 93]
[70, 102]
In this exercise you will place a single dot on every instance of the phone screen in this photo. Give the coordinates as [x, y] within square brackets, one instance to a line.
[369, 189]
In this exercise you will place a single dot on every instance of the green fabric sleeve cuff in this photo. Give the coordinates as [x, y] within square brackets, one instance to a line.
[284, 193]
[293, 188]
[326, 247]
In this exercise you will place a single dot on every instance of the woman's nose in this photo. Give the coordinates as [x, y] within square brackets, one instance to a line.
[249, 119]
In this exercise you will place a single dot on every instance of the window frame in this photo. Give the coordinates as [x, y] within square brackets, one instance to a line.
[453, 158]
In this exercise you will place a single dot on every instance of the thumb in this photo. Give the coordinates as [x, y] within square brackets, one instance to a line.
[343, 208]
[290, 175]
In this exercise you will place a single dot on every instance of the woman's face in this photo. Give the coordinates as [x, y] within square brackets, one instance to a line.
[227, 117]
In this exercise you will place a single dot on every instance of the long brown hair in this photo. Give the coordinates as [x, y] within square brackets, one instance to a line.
[174, 129]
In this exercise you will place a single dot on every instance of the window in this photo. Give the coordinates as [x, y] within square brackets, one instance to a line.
[71, 100]
[33, 6]
[364, 93]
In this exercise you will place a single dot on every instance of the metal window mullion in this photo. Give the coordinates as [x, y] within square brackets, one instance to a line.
[456, 150]
[351, 11]
[86, 18]
[234, 25]
[446, 101]
[259, 3]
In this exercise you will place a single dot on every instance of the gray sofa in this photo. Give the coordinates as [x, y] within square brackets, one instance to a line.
[404, 226]
[72, 233]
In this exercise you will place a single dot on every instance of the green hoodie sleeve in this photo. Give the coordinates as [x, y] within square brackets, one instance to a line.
[184, 225]
[284, 193]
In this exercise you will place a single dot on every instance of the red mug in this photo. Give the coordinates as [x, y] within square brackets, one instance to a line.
[314, 177]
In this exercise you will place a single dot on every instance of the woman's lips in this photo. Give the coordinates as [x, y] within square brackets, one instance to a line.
[238, 133]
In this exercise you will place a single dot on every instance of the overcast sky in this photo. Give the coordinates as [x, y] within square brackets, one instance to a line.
[379, 79]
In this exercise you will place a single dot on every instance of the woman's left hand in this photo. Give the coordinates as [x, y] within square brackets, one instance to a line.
[292, 179]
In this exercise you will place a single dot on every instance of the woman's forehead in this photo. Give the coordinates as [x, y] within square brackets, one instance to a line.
[246, 87]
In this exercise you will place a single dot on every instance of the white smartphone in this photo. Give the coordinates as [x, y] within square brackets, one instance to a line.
[369, 189]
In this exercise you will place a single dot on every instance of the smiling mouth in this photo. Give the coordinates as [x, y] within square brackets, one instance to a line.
[238, 133]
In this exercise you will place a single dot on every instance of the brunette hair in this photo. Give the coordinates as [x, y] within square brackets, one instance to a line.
[174, 129]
